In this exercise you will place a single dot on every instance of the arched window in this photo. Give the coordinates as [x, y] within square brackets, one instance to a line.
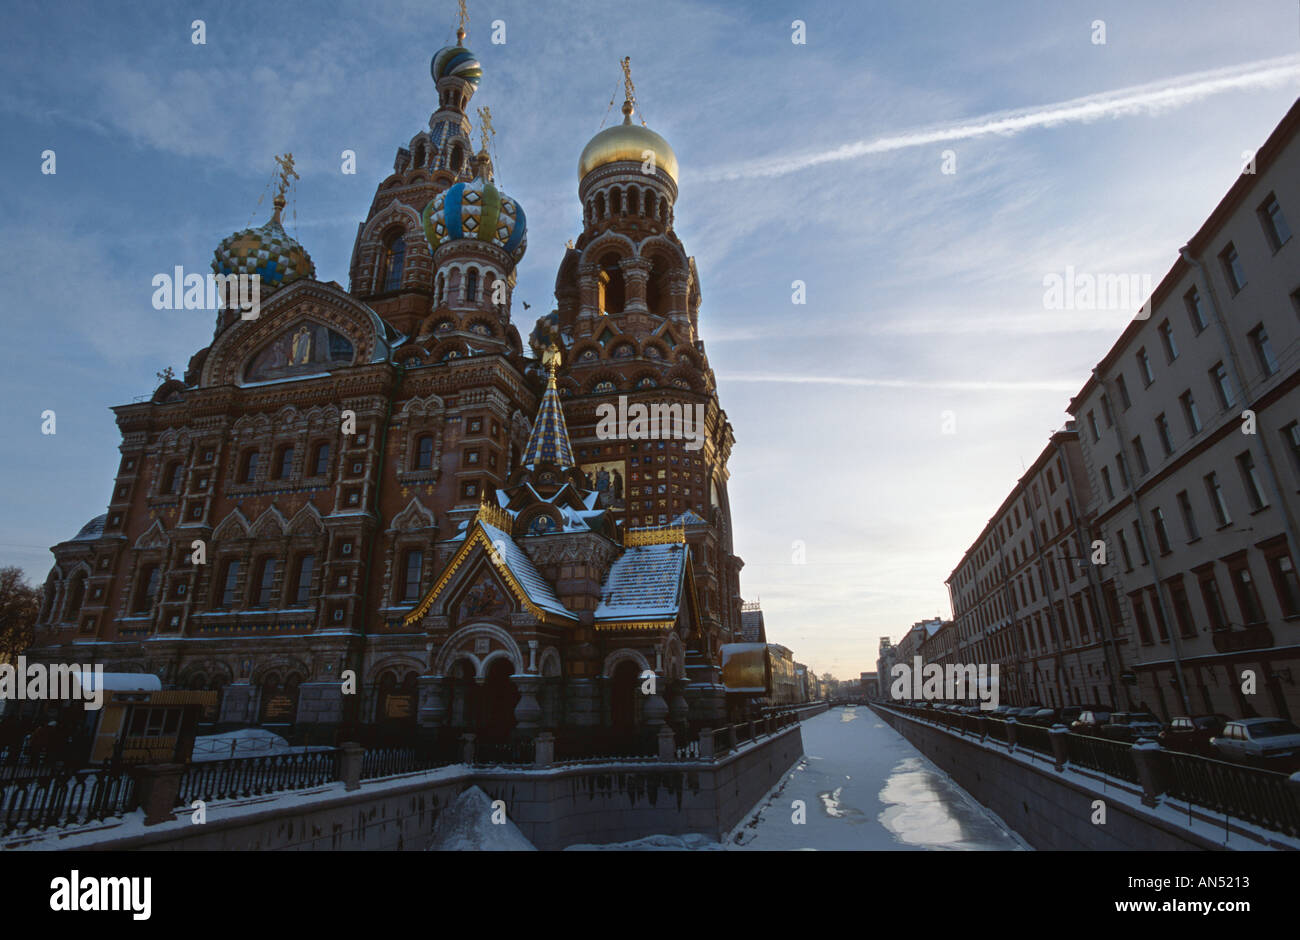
[650, 203]
[633, 205]
[442, 285]
[419, 154]
[394, 261]
[284, 462]
[76, 593]
[456, 157]
[248, 466]
[600, 205]
[172, 478]
[616, 202]
[146, 587]
[424, 452]
[471, 285]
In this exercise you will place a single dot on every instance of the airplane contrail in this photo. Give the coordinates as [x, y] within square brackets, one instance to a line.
[1137, 99]
[942, 385]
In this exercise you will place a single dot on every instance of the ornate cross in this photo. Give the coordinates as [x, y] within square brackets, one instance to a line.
[485, 125]
[287, 171]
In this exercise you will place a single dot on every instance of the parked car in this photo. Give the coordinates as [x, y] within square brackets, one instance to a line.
[1192, 733]
[1000, 712]
[1043, 717]
[1129, 726]
[1090, 722]
[1258, 740]
[1069, 713]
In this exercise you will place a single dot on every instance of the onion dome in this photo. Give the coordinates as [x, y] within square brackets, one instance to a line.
[267, 251]
[456, 62]
[627, 142]
[477, 210]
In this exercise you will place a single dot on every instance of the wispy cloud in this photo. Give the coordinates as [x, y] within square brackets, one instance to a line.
[944, 385]
[1123, 102]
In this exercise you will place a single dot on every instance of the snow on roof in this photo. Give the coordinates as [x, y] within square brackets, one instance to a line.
[645, 583]
[689, 518]
[529, 578]
[117, 681]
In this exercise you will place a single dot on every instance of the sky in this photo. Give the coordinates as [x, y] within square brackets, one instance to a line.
[922, 167]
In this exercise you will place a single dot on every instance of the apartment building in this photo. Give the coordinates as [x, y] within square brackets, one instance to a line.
[1188, 437]
[1026, 596]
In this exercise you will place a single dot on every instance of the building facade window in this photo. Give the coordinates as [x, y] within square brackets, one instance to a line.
[1250, 480]
[1243, 585]
[1214, 608]
[1162, 431]
[424, 452]
[1233, 272]
[302, 583]
[394, 262]
[1167, 340]
[1222, 385]
[1140, 452]
[1263, 350]
[1193, 301]
[1162, 534]
[229, 586]
[1125, 402]
[1144, 368]
[321, 460]
[1189, 517]
[1285, 582]
[1217, 501]
[1276, 230]
[412, 562]
[266, 582]
[284, 462]
[1190, 414]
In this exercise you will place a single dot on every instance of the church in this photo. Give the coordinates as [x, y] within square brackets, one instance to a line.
[371, 511]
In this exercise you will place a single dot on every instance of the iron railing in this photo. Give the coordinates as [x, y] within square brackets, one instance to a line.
[1263, 797]
[59, 799]
[1112, 758]
[256, 776]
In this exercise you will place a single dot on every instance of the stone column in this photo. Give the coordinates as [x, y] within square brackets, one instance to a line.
[679, 710]
[667, 744]
[433, 706]
[158, 786]
[1059, 736]
[706, 746]
[350, 755]
[544, 749]
[654, 710]
[588, 310]
[1011, 733]
[636, 275]
[1151, 763]
[528, 712]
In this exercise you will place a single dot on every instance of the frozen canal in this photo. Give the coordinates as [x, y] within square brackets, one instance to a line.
[863, 786]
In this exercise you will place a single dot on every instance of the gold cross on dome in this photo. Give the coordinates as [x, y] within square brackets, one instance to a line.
[287, 171]
[462, 32]
[629, 93]
[485, 125]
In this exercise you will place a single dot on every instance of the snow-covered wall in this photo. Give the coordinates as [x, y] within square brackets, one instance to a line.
[552, 807]
[1054, 809]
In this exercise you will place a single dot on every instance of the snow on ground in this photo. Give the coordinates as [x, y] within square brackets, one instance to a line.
[863, 786]
[690, 842]
[466, 826]
[248, 742]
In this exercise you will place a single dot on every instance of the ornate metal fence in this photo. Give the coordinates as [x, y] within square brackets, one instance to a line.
[1251, 794]
[255, 776]
[64, 799]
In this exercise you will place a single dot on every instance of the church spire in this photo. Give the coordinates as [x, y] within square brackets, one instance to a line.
[549, 440]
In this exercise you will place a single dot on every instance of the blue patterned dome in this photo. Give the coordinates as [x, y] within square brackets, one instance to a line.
[267, 251]
[456, 62]
[477, 210]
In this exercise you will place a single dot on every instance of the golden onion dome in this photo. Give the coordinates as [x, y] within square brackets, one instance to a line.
[627, 142]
